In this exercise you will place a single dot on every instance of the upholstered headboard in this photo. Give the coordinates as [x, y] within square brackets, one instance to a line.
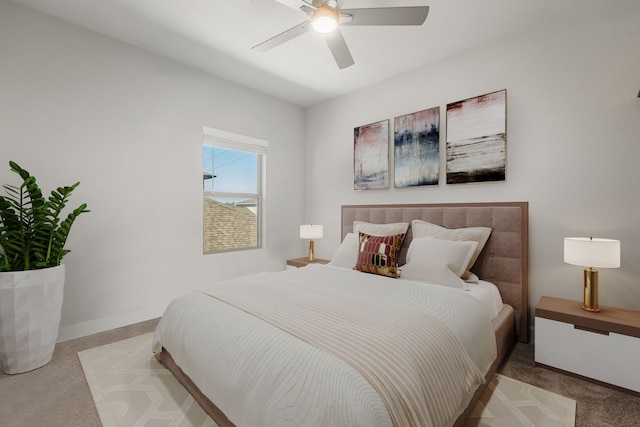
[504, 260]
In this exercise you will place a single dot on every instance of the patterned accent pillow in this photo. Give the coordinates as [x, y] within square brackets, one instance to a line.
[379, 254]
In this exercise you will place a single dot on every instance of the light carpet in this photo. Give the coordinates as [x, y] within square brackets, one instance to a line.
[131, 388]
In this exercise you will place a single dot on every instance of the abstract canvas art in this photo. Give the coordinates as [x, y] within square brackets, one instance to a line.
[416, 148]
[477, 139]
[371, 156]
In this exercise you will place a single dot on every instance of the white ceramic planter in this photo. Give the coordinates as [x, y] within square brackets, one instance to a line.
[30, 308]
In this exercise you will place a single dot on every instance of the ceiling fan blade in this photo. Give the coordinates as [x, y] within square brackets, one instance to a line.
[307, 9]
[387, 16]
[295, 4]
[339, 49]
[283, 37]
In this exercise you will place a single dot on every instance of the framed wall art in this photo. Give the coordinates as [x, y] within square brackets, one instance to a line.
[371, 156]
[477, 139]
[416, 148]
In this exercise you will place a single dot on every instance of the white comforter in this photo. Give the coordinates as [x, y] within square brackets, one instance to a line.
[259, 375]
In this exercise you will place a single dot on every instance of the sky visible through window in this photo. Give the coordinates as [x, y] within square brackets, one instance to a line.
[233, 171]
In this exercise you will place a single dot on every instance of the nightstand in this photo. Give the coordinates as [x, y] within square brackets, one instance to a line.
[303, 262]
[602, 346]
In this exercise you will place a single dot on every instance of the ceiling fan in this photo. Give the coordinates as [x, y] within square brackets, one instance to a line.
[326, 16]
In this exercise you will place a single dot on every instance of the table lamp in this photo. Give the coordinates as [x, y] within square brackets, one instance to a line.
[591, 253]
[311, 232]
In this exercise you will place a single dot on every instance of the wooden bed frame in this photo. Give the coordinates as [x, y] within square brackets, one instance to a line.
[503, 261]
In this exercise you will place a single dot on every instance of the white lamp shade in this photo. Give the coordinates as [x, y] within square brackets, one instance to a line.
[592, 252]
[311, 232]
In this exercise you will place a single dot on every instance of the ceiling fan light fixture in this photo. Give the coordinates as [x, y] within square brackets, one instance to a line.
[325, 19]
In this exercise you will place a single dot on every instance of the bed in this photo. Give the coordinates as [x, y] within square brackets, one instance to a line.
[330, 345]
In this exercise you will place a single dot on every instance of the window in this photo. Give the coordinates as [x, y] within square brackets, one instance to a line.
[233, 170]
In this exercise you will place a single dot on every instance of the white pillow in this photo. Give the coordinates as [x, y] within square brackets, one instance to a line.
[438, 261]
[347, 254]
[371, 229]
[474, 234]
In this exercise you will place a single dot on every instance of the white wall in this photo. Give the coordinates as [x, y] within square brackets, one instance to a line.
[127, 124]
[573, 137]
[77, 106]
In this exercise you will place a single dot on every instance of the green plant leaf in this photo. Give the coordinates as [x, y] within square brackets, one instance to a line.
[32, 234]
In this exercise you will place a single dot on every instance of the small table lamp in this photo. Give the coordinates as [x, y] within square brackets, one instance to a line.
[589, 253]
[311, 232]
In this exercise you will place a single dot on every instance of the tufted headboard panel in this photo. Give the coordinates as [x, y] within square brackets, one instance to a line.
[504, 260]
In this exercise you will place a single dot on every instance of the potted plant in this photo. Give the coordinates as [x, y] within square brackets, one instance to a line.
[32, 244]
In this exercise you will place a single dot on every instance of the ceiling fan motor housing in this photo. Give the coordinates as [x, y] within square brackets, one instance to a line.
[325, 19]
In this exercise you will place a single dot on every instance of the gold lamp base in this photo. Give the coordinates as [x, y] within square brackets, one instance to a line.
[590, 290]
[311, 256]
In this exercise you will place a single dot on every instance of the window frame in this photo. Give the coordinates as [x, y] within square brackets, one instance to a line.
[232, 141]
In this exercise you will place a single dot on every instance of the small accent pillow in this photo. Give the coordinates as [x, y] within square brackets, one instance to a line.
[438, 261]
[347, 254]
[379, 254]
[372, 229]
[474, 234]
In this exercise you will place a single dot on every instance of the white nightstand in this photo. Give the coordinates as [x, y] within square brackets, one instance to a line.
[603, 346]
[303, 262]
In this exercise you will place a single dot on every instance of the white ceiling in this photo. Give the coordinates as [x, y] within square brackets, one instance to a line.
[217, 35]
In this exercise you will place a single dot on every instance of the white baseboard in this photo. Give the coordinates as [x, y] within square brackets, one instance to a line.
[89, 327]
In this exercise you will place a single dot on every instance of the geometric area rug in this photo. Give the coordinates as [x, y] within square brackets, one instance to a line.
[131, 388]
[508, 402]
